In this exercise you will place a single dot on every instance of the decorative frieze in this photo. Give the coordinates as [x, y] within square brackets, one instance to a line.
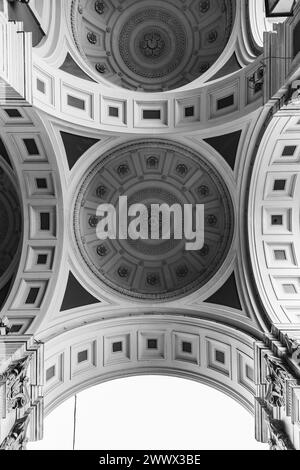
[277, 394]
[16, 440]
[16, 385]
[21, 401]
[276, 382]
[278, 438]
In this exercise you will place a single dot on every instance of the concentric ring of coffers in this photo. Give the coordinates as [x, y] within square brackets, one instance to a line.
[153, 173]
[152, 46]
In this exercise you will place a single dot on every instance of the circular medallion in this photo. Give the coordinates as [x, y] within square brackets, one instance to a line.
[153, 43]
[161, 267]
[152, 46]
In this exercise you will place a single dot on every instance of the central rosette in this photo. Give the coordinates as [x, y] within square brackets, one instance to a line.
[152, 45]
[149, 192]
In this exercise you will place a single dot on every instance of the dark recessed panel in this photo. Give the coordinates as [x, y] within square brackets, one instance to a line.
[227, 295]
[76, 146]
[227, 146]
[76, 295]
[231, 66]
[72, 68]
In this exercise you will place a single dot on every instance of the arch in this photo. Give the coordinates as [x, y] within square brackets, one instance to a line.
[273, 224]
[201, 350]
[31, 152]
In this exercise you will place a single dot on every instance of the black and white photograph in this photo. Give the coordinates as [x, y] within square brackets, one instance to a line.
[149, 231]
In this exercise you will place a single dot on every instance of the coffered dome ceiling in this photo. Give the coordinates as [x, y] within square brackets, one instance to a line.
[151, 46]
[153, 172]
[10, 224]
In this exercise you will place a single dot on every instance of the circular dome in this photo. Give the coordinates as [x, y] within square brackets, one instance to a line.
[10, 224]
[152, 46]
[153, 172]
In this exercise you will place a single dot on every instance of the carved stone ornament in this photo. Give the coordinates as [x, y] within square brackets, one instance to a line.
[17, 385]
[293, 347]
[276, 382]
[4, 326]
[278, 438]
[16, 439]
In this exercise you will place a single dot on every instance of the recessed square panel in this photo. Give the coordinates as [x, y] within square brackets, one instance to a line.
[42, 222]
[84, 357]
[156, 341]
[280, 255]
[40, 86]
[50, 373]
[225, 102]
[30, 294]
[113, 112]
[279, 185]
[117, 349]
[189, 111]
[152, 344]
[13, 113]
[286, 287]
[15, 329]
[39, 259]
[54, 372]
[39, 183]
[219, 356]
[289, 288]
[76, 102]
[30, 147]
[289, 150]
[245, 371]
[19, 325]
[44, 85]
[151, 114]
[285, 151]
[277, 220]
[42, 259]
[186, 347]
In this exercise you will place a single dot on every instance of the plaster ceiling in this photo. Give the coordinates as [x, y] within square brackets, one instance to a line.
[152, 46]
[153, 172]
[10, 224]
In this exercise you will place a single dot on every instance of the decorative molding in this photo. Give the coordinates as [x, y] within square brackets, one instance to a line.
[178, 162]
[155, 48]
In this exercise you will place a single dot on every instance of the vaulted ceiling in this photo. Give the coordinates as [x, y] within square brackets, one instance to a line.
[153, 46]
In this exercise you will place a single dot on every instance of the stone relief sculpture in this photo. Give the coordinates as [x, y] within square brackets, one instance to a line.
[276, 378]
[16, 440]
[278, 438]
[17, 385]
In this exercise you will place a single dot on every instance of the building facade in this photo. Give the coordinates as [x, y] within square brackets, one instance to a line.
[175, 102]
